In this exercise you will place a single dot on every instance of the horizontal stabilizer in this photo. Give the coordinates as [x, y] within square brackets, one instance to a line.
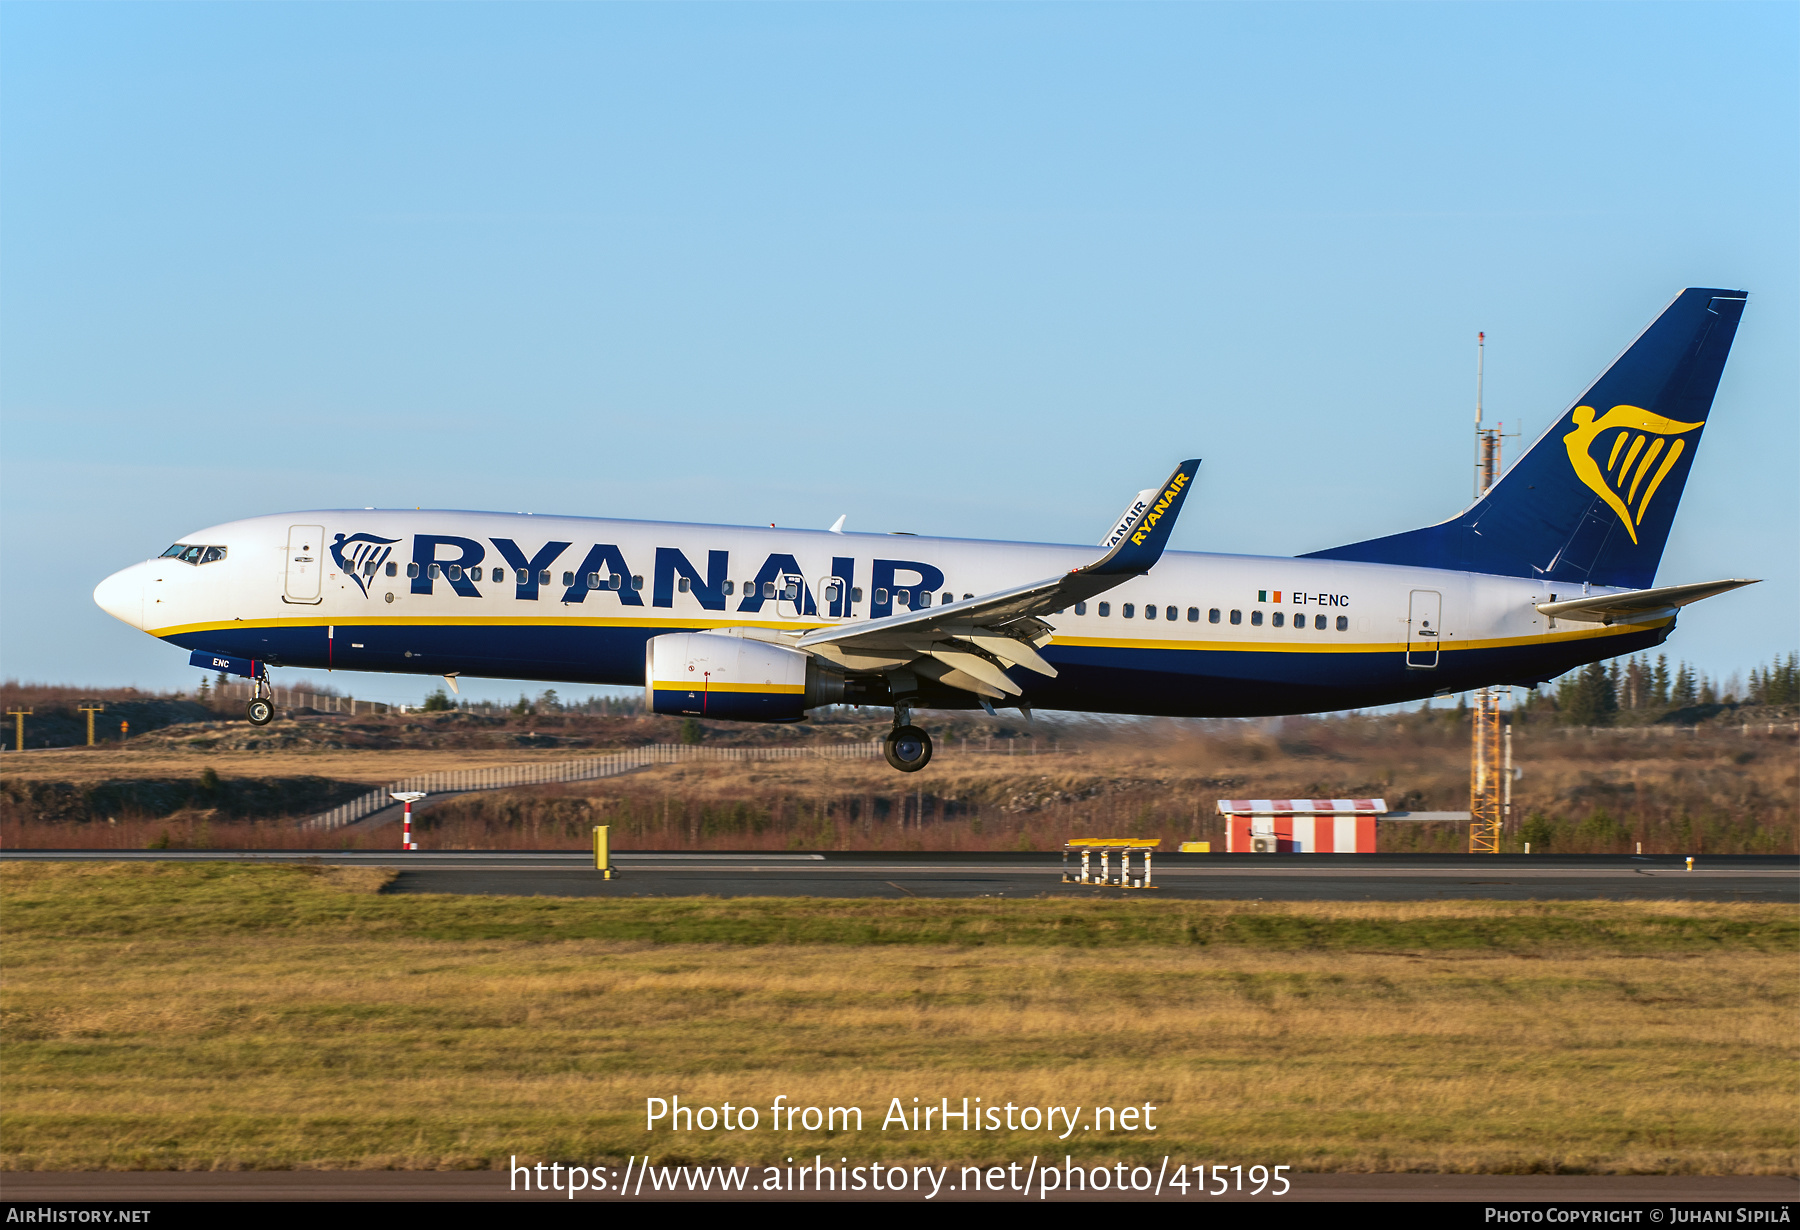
[1638, 605]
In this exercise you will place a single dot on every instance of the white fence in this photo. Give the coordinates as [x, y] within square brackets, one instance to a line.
[586, 769]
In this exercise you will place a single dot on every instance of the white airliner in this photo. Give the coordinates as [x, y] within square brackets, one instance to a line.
[1551, 569]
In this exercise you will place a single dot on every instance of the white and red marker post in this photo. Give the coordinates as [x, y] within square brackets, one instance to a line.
[407, 797]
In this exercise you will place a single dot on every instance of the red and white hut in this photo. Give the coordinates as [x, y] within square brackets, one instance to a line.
[1301, 826]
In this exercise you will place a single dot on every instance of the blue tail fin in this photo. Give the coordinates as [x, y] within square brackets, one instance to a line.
[1593, 499]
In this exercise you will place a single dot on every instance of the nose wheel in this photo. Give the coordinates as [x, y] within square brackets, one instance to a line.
[261, 709]
[907, 748]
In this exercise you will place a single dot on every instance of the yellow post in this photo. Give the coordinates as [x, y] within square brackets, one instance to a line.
[19, 716]
[602, 852]
[91, 710]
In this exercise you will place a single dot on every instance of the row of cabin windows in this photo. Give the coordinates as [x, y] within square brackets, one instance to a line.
[789, 591]
[1129, 611]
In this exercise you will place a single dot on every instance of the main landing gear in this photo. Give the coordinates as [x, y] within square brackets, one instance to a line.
[261, 709]
[906, 747]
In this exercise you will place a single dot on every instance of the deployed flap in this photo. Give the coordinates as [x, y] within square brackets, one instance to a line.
[1637, 604]
[1002, 627]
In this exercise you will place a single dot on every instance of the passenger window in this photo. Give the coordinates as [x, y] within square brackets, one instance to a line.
[1170, 613]
[456, 572]
[636, 582]
[948, 599]
[412, 570]
[1278, 619]
[436, 572]
[369, 568]
[568, 579]
[1081, 608]
[768, 589]
[685, 584]
[855, 593]
[1319, 622]
[1150, 611]
[924, 600]
[1237, 617]
[474, 574]
[594, 580]
[902, 598]
[522, 577]
[1212, 616]
[616, 581]
[544, 577]
[832, 591]
[1105, 609]
[1256, 619]
[729, 587]
[393, 569]
[1343, 623]
[967, 597]
[1128, 611]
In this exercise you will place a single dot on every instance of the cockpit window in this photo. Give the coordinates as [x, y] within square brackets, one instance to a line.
[189, 554]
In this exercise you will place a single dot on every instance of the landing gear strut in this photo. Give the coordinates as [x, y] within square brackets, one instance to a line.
[261, 709]
[906, 747]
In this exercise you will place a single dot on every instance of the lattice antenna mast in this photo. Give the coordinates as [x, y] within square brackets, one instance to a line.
[1487, 439]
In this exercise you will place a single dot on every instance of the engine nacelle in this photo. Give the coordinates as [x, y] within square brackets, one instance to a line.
[711, 675]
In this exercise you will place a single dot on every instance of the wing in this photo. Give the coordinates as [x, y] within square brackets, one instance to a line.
[969, 644]
[1638, 605]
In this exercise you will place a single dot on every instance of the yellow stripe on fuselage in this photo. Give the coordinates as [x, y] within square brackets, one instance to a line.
[1308, 645]
[729, 689]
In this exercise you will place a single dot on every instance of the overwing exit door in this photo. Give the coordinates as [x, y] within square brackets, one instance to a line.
[305, 572]
[1423, 629]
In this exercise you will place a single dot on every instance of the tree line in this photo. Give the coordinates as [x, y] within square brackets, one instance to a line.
[1597, 694]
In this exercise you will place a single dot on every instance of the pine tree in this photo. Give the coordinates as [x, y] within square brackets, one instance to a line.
[1708, 694]
[1593, 700]
[1682, 694]
[1659, 681]
[204, 695]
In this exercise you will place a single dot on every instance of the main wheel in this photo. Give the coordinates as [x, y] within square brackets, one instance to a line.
[907, 748]
[261, 712]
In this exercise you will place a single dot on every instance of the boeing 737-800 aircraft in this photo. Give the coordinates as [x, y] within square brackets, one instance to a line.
[1552, 568]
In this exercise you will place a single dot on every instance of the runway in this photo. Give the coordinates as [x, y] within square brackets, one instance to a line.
[1282, 877]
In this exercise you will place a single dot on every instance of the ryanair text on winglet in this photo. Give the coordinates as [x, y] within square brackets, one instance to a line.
[1159, 508]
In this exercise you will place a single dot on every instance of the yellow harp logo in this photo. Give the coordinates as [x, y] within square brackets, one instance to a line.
[1628, 461]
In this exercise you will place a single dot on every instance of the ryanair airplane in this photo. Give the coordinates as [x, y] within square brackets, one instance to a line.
[1552, 568]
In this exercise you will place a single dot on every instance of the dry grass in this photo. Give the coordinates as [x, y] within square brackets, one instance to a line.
[1715, 790]
[1645, 1038]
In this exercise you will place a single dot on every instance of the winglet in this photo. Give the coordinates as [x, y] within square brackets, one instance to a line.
[1144, 539]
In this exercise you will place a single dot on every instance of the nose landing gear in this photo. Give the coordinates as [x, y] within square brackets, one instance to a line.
[261, 709]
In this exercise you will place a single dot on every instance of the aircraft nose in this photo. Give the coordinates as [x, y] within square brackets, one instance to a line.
[122, 595]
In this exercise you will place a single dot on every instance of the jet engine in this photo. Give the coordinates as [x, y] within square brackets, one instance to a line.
[712, 675]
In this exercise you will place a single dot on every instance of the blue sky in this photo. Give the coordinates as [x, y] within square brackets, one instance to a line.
[982, 270]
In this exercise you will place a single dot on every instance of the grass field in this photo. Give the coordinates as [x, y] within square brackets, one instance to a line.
[200, 1016]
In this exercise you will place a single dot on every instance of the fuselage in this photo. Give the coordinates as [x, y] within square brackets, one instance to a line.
[574, 600]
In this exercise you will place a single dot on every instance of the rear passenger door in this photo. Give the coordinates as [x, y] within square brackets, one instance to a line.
[1424, 619]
